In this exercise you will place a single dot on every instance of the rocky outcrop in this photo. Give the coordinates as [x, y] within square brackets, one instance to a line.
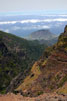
[16, 82]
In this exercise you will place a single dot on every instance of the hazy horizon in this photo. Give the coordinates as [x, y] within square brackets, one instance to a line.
[39, 12]
[33, 7]
[26, 16]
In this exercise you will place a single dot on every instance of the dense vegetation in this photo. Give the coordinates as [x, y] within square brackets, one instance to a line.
[16, 55]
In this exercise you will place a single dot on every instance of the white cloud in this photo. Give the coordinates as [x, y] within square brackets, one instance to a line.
[35, 21]
[55, 20]
[36, 27]
[45, 27]
[45, 20]
[30, 21]
[8, 22]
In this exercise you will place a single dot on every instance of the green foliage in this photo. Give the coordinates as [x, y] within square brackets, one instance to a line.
[16, 55]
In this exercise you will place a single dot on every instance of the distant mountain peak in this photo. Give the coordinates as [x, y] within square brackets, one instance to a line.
[43, 34]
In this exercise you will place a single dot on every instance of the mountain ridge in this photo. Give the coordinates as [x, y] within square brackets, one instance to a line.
[49, 73]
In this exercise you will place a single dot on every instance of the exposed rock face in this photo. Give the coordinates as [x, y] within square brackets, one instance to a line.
[16, 82]
[50, 72]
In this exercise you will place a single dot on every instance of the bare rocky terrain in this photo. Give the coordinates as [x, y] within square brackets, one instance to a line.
[44, 97]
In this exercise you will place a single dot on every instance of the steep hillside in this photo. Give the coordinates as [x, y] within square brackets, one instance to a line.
[9, 66]
[17, 55]
[49, 74]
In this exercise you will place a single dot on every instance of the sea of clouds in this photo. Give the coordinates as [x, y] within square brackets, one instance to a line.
[34, 21]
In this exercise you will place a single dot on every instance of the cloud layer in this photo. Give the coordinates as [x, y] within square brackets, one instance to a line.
[34, 21]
